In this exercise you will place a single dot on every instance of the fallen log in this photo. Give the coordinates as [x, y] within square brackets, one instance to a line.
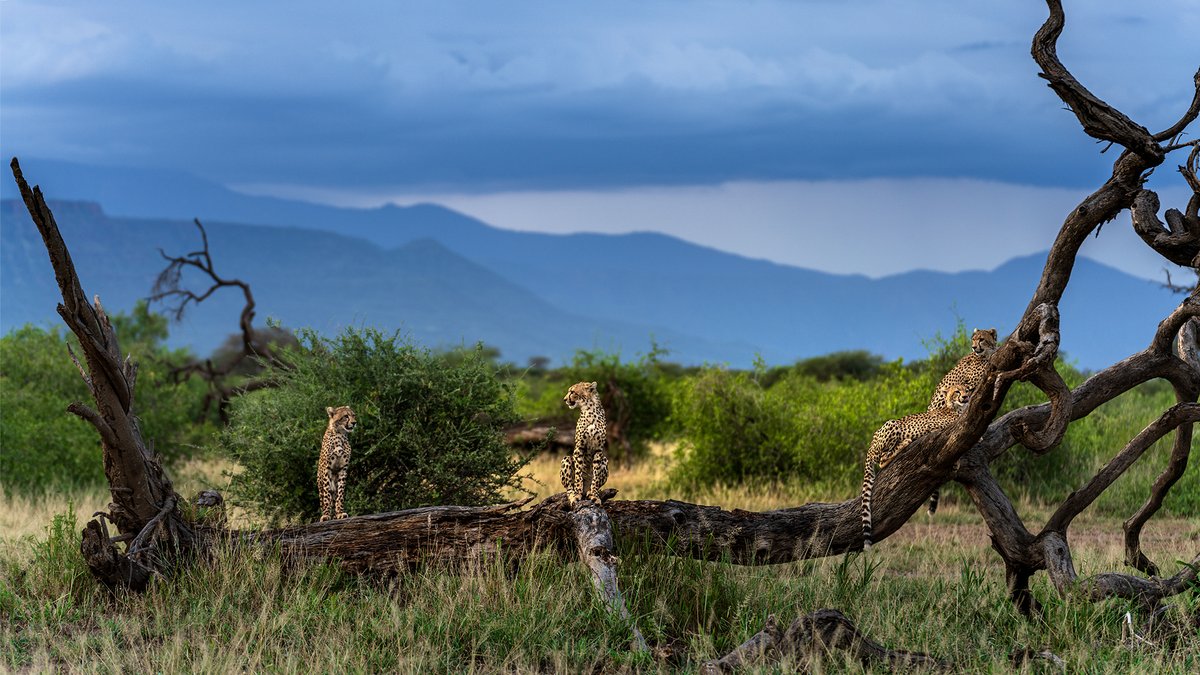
[388, 543]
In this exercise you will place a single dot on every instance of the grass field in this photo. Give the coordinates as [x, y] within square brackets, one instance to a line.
[934, 586]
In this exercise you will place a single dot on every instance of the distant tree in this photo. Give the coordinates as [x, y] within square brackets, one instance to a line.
[231, 370]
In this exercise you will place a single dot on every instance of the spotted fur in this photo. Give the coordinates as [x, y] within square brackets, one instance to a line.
[335, 457]
[970, 369]
[967, 373]
[895, 435]
[591, 434]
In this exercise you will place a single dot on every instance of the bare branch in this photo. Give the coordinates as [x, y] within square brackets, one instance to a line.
[1110, 585]
[1178, 243]
[1182, 413]
[92, 417]
[1099, 119]
[1188, 116]
[1180, 452]
[1148, 591]
[167, 288]
[594, 542]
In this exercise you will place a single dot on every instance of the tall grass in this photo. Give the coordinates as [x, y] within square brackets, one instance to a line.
[935, 586]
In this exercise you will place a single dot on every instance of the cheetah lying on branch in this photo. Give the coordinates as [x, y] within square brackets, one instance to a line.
[895, 435]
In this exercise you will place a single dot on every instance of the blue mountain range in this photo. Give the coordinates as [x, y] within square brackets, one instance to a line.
[447, 279]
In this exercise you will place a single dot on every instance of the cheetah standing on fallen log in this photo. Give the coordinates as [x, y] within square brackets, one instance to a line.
[591, 433]
[335, 457]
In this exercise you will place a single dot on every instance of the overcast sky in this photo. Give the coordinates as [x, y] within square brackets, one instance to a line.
[750, 126]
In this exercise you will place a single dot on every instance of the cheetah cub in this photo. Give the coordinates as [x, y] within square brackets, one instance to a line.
[591, 432]
[895, 435]
[335, 456]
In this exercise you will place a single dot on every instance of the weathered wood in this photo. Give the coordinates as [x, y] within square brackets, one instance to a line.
[812, 637]
[530, 435]
[594, 542]
[143, 500]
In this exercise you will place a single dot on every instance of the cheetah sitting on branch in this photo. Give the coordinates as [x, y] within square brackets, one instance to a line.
[895, 435]
[970, 369]
[967, 373]
[335, 457]
[591, 433]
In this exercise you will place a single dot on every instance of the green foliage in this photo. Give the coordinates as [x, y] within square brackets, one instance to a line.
[858, 365]
[797, 425]
[734, 429]
[44, 446]
[636, 396]
[428, 427]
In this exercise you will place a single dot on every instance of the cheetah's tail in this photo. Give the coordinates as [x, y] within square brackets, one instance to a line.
[933, 501]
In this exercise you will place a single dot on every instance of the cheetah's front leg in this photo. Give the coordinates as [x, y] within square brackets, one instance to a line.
[576, 492]
[325, 493]
[566, 474]
[599, 475]
[341, 494]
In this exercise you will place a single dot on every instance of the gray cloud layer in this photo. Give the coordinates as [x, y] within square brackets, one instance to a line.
[537, 95]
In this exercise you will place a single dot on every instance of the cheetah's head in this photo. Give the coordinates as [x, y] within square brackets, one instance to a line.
[958, 398]
[342, 418]
[983, 342]
[579, 393]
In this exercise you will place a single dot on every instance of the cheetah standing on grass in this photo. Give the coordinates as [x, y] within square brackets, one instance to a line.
[335, 457]
[591, 432]
[895, 435]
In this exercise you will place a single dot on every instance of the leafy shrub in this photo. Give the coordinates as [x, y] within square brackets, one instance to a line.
[635, 395]
[44, 446]
[428, 427]
[734, 429]
[858, 365]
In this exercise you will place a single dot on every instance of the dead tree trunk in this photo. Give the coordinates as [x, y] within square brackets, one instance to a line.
[144, 505]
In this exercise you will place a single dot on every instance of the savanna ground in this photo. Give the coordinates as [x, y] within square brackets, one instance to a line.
[934, 586]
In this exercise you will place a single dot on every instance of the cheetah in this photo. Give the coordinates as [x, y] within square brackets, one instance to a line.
[969, 371]
[895, 435]
[591, 433]
[331, 467]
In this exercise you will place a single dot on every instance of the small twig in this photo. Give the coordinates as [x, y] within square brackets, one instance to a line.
[83, 373]
[139, 542]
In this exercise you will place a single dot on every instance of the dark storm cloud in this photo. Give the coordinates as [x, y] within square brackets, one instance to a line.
[510, 95]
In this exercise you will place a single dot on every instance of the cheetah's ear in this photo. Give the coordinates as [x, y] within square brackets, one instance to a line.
[993, 332]
[329, 411]
[594, 385]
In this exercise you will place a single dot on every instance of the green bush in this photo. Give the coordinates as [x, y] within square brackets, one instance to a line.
[45, 447]
[428, 427]
[733, 429]
[635, 395]
[858, 365]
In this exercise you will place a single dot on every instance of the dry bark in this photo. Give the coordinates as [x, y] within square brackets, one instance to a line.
[144, 503]
[812, 637]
